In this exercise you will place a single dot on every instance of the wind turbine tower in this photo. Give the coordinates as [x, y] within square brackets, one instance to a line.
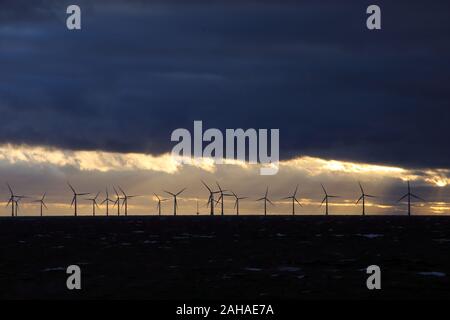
[325, 199]
[294, 200]
[265, 201]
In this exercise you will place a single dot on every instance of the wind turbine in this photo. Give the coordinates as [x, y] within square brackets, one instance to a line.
[125, 200]
[94, 203]
[107, 201]
[16, 201]
[211, 197]
[117, 201]
[42, 203]
[12, 200]
[158, 206]
[175, 203]
[236, 203]
[363, 198]
[265, 201]
[325, 199]
[409, 195]
[75, 197]
[294, 200]
[222, 196]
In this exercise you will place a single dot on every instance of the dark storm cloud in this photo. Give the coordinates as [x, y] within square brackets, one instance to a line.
[140, 69]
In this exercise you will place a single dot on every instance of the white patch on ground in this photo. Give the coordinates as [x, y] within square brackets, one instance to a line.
[442, 240]
[253, 269]
[54, 269]
[432, 273]
[370, 235]
[289, 269]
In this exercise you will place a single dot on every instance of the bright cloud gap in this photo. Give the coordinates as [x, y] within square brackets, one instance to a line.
[111, 161]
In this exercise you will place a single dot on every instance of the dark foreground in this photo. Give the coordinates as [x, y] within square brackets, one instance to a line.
[225, 257]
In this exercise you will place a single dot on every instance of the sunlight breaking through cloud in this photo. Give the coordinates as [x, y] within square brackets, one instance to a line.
[111, 161]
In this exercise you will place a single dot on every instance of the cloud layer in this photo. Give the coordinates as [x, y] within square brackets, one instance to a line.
[35, 170]
[140, 69]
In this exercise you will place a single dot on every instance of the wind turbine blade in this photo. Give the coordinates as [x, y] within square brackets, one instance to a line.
[169, 193]
[9, 201]
[359, 200]
[70, 186]
[418, 198]
[157, 196]
[260, 199]
[10, 189]
[323, 188]
[370, 196]
[235, 204]
[206, 186]
[270, 202]
[181, 191]
[286, 198]
[323, 200]
[122, 191]
[402, 197]
[298, 202]
[44, 205]
[295, 192]
[83, 194]
[98, 193]
[104, 201]
[43, 197]
[73, 201]
[117, 194]
[218, 185]
[360, 186]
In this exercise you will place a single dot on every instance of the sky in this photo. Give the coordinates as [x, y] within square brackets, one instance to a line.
[96, 107]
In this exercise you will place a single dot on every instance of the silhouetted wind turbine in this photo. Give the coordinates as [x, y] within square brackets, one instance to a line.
[265, 201]
[363, 198]
[125, 200]
[158, 206]
[325, 199]
[117, 201]
[11, 200]
[75, 197]
[42, 203]
[222, 197]
[175, 203]
[18, 198]
[409, 195]
[236, 203]
[94, 203]
[294, 200]
[211, 197]
[107, 201]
